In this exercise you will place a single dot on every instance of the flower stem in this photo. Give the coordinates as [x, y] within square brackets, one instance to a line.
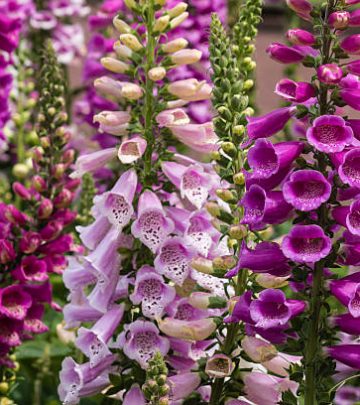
[149, 89]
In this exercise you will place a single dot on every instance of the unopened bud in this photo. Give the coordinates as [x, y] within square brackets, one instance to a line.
[177, 10]
[121, 25]
[227, 195]
[224, 262]
[161, 23]
[229, 148]
[248, 84]
[238, 232]
[131, 4]
[178, 20]
[131, 42]
[58, 170]
[157, 73]
[20, 170]
[213, 209]
[45, 209]
[45, 142]
[203, 300]
[114, 65]
[202, 265]
[239, 179]
[174, 45]
[21, 191]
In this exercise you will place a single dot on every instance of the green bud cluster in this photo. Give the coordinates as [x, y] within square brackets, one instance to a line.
[156, 389]
[88, 191]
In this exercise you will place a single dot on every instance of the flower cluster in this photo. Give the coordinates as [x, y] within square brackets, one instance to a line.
[136, 284]
[311, 181]
[33, 233]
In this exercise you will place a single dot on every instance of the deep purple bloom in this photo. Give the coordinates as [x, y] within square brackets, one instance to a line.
[347, 354]
[254, 205]
[348, 324]
[329, 73]
[306, 243]
[284, 54]
[351, 44]
[294, 91]
[141, 340]
[349, 170]
[14, 302]
[353, 218]
[329, 134]
[269, 124]
[306, 190]
[347, 291]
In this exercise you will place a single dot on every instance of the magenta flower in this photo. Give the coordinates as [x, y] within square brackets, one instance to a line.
[306, 244]
[347, 354]
[349, 170]
[350, 91]
[330, 134]
[269, 124]
[93, 342]
[306, 190]
[134, 396]
[14, 302]
[141, 340]
[254, 205]
[329, 73]
[347, 291]
[262, 159]
[339, 19]
[152, 226]
[151, 292]
[300, 37]
[351, 44]
[31, 269]
[347, 323]
[347, 395]
[272, 309]
[353, 218]
[93, 161]
[301, 7]
[354, 67]
[294, 91]
[284, 54]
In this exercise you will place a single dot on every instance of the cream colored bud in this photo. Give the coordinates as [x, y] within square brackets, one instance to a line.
[175, 45]
[20, 170]
[157, 73]
[114, 65]
[65, 336]
[202, 265]
[177, 10]
[132, 91]
[161, 23]
[131, 42]
[121, 26]
[131, 4]
[186, 56]
[122, 51]
[269, 281]
[179, 20]
[160, 2]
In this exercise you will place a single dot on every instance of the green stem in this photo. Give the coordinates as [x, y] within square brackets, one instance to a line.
[149, 90]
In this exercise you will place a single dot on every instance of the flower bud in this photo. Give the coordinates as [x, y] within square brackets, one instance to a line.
[20, 190]
[58, 170]
[121, 25]
[174, 45]
[355, 19]
[186, 56]
[270, 281]
[351, 44]
[177, 10]
[258, 350]
[213, 208]
[161, 23]
[188, 330]
[330, 73]
[202, 265]
[51, 230]
[63, 199]
[178, 20]
[114, 65]
[284, 54]
[227, 195]
[238, 232]
[7, 252]
[38, 183]
[29, 242]
[302, 8]
[45, 208]
[300, 37]
[131, 42]
[131, 91]
[339, 19]
[224, 262]
[219, 366]
[131, 4]
[157, 73]
[239, 179]
[203, 300]
[65, 336]
[229, 148]
[122, 51]
[20, 170]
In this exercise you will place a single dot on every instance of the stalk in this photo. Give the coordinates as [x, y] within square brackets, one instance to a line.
[149, 90]
[313, 343]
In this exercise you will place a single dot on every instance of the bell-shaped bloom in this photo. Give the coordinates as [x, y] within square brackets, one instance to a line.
[339, 19]
[300, 37]
[182, 385]
[355, 126]
[188, 330]
[354, 67]
[31, 269]
[134, 396]
[131, 150]
[267, 389]
[10, 332]
[113, 122]
[347, 291]
[254, 205]
[199, 137]
[151, 292]
[306, 190]
[141, 340]
[151, 226]
[7, 251]
[347, 324]
[190, 90]
[93, 342]
[109, 87]
[353, 218]
[347, 395]
[302, 8]
[81, 380]
[266, 257]
[169, 118]
[269, 124]
[350, 91]
[266, 159]
[277, 210]
[33, 322]
[329, 73]
[14, 302]
[351, 44]
[349, 170]
[329, 134]
[92, 162]
[306, 244]
[292, 91]
[173, 260]
[219, 366]
[194, 184]
[284, 54]
[346, 354]
[272, 309]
